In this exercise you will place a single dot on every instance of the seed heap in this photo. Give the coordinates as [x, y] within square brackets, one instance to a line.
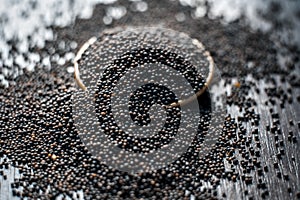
[38, 136]
[146, 97]
[41, 137]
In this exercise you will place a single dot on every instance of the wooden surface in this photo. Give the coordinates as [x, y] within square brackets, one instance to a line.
[279, 153]
[288, 165]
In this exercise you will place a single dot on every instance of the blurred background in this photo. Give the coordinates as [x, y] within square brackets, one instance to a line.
[28, 26]
[255, 45]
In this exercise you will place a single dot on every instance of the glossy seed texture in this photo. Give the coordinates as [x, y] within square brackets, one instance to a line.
[256, 156]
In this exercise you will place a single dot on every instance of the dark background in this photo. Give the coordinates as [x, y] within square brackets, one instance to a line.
[258, 156]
